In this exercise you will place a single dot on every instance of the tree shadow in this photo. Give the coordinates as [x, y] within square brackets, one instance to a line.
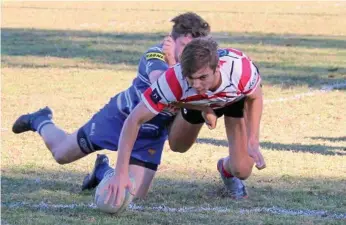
[318, 149]
[111, 49]
[332, 139]
[104, 48]
[41, 180]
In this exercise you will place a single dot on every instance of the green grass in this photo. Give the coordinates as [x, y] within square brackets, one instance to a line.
[74, 57]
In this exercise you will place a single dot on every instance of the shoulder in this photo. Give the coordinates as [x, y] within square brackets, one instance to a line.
[233, 60]
[173, 74]
[230, 52]
[154, 52]
[241, 70]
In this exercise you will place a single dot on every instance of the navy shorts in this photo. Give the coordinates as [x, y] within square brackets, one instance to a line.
[103, 130]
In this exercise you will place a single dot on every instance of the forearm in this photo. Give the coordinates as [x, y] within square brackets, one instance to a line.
[128, 136]
[254, 108]
[190, 106]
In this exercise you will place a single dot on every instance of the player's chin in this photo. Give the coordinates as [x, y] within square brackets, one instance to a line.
[201, 91]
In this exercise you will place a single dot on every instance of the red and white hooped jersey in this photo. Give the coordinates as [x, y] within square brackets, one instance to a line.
[239, 75]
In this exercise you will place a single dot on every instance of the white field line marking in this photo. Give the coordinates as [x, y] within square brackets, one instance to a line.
[163, 208]
[324, 89]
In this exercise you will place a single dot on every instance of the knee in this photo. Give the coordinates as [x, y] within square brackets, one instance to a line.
[141, 194]
[241, 171]
[60, 158]
[242, 174]
[181, 148]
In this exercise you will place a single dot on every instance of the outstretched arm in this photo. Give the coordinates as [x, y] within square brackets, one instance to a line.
[120, 181]
[129, 133]
[253, 114]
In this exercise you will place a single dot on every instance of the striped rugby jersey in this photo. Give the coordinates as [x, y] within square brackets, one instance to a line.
[239, 76]
[127, 100]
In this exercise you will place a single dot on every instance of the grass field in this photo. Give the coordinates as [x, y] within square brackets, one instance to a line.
[74, 56]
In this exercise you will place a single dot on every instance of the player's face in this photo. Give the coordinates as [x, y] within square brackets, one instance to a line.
[205, 79]
[180, 44]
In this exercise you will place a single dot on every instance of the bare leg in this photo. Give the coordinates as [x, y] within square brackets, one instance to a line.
[64, 147]
[143, 178]
[182, 134]
[238, 163]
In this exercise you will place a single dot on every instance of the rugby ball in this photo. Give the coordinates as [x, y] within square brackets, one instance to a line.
[100, 196]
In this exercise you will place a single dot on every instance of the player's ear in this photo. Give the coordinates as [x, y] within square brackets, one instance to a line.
[217, 69]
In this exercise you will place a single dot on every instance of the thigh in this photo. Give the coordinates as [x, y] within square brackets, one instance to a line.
[68, 150]
[183, 133]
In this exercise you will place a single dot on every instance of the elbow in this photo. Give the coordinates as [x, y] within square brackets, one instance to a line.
[133, 121]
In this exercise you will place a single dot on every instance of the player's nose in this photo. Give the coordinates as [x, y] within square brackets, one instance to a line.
[196, 84]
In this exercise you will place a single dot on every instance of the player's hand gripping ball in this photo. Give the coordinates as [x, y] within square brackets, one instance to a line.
[101, 193]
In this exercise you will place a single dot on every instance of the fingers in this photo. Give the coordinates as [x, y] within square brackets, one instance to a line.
[118, 192]
[131, 189]
[173, 107]
[112, 190]
[109, 190]
[259, 160]
[168, 44]
[168, 49]
[210, 126]
[210, 119]
[119, 197]
[260, 164]
[168, 41]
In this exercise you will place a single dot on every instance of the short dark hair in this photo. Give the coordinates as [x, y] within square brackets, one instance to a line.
[189, 23]
[197, 54]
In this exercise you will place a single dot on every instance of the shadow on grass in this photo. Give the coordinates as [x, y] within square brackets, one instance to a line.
[198, 190]
[33, 181]
[332, 139]
[106, 48]
[318, 149]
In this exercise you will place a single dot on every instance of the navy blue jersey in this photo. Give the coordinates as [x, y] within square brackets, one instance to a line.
[127, 100]
[104, 128]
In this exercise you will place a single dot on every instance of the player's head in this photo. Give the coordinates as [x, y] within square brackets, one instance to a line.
[199, 64]
[186, 27]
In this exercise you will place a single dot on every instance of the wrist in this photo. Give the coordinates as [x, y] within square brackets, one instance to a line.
[121, 169]
[253, 142]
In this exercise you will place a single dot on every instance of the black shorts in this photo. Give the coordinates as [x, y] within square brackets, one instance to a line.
[235, 110]
[148, 165]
